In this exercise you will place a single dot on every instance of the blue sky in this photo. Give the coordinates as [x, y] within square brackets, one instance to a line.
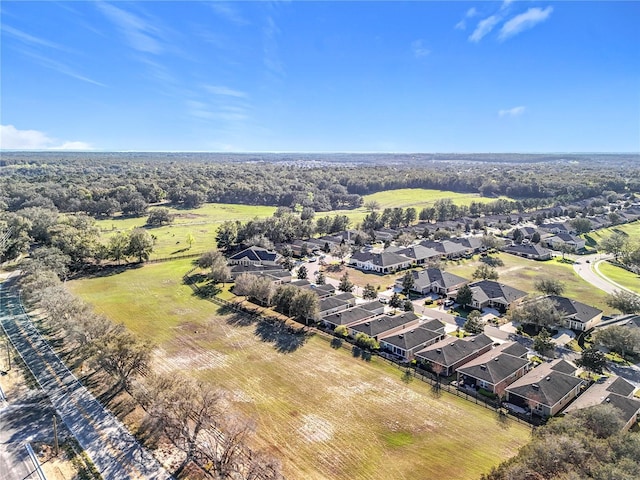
[519, 76]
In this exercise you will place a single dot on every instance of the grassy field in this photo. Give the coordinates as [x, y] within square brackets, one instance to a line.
[620, 276]
[202, 223]
[522, 273]
[631, 229]
[326, 414]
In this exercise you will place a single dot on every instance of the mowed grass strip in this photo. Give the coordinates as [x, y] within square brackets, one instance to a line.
[202, 223]
[522, 273]
[621, 276]
[326, 414]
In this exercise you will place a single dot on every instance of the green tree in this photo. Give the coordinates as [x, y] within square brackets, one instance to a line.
[581, 225]
[615, 244]
[473, 324]
[345, 284]
[140, 244]
[408, 282]
[341, 331]
[303, 274]
[365, 341]
[320, 278]
[543, 344]
[592, 360]
[620, 339]
[465, 296]
[369, 292]
[549, 286]
[541, 312]
[407, 305]
[227, 235]
[159, 216]
[372, 205]
[485, 272]
[395, 301]
[304, 306]
[190, 239]
[119, 246]
[625, 302]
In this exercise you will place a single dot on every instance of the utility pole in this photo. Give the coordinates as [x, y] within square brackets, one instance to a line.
[55, 435]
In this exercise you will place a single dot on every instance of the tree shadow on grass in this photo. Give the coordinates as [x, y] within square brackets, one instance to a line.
[492, 261]
[98, 271]
[502, 418]
[286, 339]
[336, 343]
[238, 319]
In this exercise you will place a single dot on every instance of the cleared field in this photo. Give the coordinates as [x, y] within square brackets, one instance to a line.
[621, 276]
[202, 223]
[631, 229]
[522, 273]
[410, 197]
[326, 414]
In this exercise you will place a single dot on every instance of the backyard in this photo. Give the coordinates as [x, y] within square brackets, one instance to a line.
[326, 414]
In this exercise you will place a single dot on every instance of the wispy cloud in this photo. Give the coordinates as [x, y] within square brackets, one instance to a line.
[462, 24]
[60, 67]
[31, 39]
[418, 49]
[271, 58]
[222, 90]
[12, 138]
[228, 12]
[512, 112]
[524, 21]
[141, 34]
[484, 27]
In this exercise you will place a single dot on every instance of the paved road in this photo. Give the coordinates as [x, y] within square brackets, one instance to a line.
[584, 266]
[114, 451]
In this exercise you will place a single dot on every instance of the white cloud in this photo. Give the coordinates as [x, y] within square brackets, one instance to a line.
[419, 50]
[483, 28]
[226, 91]
[61, 68]
[462, 24]
[227, 11]
[13, 139]
[524, 21]
[140, 34]
[472, 12]
[30, 39]
[512, 112]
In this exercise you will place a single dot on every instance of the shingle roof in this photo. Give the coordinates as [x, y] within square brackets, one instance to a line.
[384, 259]
[563, 366]
[331, 302]
[489, 290]
[544, 384]
[528, 249]
[417, 252]
[515, 349]
[428, 276]
[256, 254]
[620, 386]
[384, 323]
[411, 339]
[493, 367]
[451, 350]
[573, 309]
[445, 247]
[345, 317]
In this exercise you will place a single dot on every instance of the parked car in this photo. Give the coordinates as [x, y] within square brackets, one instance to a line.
[448, 303]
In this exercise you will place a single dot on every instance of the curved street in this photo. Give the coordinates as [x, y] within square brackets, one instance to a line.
[114, 451]
[585, 265]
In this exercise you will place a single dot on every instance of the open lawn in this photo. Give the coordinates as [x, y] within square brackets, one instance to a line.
[522, 273]
[326, 414]
[201, 222]
[631, 229]
[409, 197]
[621, 276]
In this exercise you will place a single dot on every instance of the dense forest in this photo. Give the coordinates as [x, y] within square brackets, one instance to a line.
[101, 184]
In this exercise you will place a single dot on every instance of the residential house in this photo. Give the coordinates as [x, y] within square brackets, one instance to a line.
[577, 315]
[492, 294]
[614, 391]
[255, 256]
[385, 325]
[530, 250]
[495, 369]
[374, 307]
[385, 262]
[347, 317]
[276, 272]
[407, 341]
[472, 244]
[446, 248]
[545, 390]
[332, 304]
[558, 239]
[418, 253]
[434, 280]
[450, 353]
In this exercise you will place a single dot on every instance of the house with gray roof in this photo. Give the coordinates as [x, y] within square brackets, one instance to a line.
[544, 390]
[347, 317]
[614, 391]
[561, 238]
[385, 324]
[446, 248]
[450, 353]
[493, 370]
[385, 262]
[576, 315]
[409, 340]
[434, 280]
[530, 250]
[255, 256]
[418, 253]
[492, 294]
